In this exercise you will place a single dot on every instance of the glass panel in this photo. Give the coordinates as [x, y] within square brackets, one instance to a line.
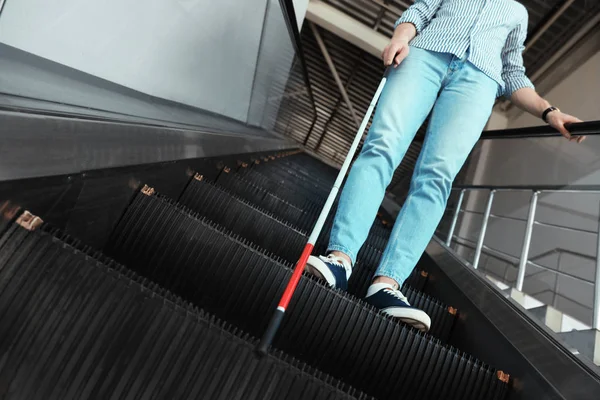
[279, 88]
[560, 277]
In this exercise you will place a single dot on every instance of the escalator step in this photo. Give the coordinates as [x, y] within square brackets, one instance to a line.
[73, 328]
[278, 179]
[260, 226]
[295, 195]
[238, 216]
[418, 279]
[278, 238]
[301, 216]
[328, 329]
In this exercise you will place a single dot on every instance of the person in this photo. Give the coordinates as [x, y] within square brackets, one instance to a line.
[450, 58]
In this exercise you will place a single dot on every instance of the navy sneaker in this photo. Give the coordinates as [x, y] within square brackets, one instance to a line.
[393, 303]
[335, 270]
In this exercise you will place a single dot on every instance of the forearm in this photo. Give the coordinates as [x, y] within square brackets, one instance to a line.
[528, 100]
[405, 32]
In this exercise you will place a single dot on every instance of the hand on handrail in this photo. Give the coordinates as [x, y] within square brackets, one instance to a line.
[557, 119]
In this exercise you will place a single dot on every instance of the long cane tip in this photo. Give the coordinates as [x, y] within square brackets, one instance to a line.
[261, 350]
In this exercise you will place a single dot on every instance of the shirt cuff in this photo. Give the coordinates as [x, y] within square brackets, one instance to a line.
[412, 17]
[514, 83]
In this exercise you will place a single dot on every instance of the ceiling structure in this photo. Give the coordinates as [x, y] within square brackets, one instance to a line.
[353, 33]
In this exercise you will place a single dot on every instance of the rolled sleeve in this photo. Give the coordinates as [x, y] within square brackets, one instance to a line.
[513, 70]
[419, 14]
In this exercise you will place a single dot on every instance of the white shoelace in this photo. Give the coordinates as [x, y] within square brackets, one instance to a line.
[397, 294]
[339, 261]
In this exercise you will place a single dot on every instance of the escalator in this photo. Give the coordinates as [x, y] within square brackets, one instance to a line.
[171, 305]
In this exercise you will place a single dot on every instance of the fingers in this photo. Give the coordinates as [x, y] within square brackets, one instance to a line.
[561, 125]
[384, 55]
[390, 52]
[563, 131]
[579, 139]
[394, 53]
[401, 56]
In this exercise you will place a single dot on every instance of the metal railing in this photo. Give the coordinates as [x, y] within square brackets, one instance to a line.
[514, 261]
[524, 260]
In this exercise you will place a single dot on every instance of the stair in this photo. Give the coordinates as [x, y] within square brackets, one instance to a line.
[148, 325]
[77, 328]
[281, 240]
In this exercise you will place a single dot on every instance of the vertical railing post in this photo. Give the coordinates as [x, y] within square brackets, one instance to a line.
[455, 218]
[527, 241]
[484, 224]
[596, 309]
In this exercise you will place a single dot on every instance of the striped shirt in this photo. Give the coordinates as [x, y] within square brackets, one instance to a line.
[493, 31]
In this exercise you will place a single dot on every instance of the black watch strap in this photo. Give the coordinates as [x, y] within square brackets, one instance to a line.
[547, 111]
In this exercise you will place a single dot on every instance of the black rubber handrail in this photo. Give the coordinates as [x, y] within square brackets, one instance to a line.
[289, 13]
[589, 128]
[534, 188]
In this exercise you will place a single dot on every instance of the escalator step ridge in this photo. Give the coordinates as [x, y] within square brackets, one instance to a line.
[442, 322]
[125, 335]
[298, 201]
[298, 215]
[272, 234]
[328, 329]
[218, 227]
[190, 197]
[421, 300]
[209, 200]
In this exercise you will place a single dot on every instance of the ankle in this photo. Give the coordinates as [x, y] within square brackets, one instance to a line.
[342, 256]
[385, 279]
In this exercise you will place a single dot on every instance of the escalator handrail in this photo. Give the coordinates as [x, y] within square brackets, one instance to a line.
[289, 14]
[533, 188]
[589, 128]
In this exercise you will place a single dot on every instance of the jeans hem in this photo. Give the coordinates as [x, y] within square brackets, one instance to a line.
[398, 278]
[344, 250]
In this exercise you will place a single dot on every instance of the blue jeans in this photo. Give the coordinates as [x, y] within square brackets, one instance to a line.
[462, 98]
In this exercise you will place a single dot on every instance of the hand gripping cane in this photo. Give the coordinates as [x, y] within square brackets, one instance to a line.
[277, 317]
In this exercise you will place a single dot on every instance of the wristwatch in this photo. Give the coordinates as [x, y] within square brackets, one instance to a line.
[548, 111]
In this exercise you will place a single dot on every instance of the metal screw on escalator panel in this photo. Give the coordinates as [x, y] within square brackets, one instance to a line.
[279, 313]
[29, 221]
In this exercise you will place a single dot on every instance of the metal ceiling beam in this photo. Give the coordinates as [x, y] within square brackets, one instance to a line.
[391, 8]
[334, 72]
[541, 30]
[346, 27]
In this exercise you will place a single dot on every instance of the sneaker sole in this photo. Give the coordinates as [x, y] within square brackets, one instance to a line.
[316, 267]
[411, 316]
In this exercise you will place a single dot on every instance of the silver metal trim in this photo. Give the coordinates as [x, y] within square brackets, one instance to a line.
[596, 306]
[486, 218]
[455, 218]
[527, 241]
[512, 260]
[565, 228]
[35, 146]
